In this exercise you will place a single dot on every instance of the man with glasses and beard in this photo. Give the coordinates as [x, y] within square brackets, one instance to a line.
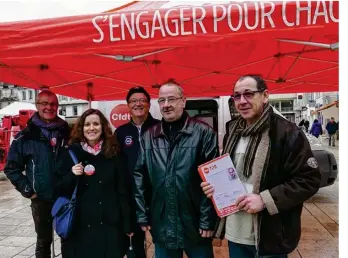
[38, 150]
[274, 161]
[128, 136]
[180, 217]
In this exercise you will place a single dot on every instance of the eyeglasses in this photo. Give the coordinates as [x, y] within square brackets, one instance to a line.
[141, 101]
[46, 104]
[248, 95]
[170, 100]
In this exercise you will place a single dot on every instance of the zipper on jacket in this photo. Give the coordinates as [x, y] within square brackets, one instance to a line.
[33, 175]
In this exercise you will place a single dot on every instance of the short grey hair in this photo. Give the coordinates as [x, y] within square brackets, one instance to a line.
[174, 84]
[45, 93]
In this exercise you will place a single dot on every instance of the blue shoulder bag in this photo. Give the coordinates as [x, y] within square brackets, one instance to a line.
[63, 210]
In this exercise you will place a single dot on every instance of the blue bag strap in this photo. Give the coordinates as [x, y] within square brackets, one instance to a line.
[73, 157]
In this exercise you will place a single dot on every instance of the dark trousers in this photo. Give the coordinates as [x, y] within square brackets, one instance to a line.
[247, 251]
[332, 139]
[138, 241]
[200, 251]
[41, 211]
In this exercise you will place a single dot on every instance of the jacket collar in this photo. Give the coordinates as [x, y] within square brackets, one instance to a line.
[187, 128]
[147, 123]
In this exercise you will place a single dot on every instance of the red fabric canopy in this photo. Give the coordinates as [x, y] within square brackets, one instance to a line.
[205, 48]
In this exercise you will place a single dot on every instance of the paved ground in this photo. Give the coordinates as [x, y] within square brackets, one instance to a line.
[319, 225]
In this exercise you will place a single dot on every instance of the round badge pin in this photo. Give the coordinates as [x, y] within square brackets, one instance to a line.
[53, 142]
[89, 170]
[128, 141]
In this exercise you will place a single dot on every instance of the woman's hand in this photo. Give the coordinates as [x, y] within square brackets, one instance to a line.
[77, 169]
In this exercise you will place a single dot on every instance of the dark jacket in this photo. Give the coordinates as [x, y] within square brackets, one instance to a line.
[31, 152]
[128, 136]
[103, 213]
[331, 127]
[169, 172]
[292, 177]
[316, 129]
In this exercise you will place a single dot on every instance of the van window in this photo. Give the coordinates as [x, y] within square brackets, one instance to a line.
[204, 110]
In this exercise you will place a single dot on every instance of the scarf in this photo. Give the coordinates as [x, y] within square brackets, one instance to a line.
[238, 128]
[92, 150]
[53, 131]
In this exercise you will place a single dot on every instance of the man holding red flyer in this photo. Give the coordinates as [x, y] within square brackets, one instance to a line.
[274, 162]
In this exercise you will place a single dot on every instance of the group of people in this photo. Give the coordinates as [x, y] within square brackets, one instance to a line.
[143, 177]
[317, 129]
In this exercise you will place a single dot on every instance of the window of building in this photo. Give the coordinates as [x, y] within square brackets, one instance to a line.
[30, 94]
[62, 111]
[275, 104]
[63, 98]
[287, 105]
[75, 110]
[24, 95]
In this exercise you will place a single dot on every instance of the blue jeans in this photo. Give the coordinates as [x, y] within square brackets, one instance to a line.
[247, 251]
[200, 251]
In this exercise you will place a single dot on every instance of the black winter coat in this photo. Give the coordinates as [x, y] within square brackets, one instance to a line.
[103, 206]
[168, 173]
[31, 152]
[291, 178]
[128, 137]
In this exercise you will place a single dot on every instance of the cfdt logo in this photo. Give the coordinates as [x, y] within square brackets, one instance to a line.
[119, 115]
[206, 170]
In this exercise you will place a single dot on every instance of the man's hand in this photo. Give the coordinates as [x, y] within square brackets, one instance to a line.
[251, 203]
[206, 233]
[208, 189]
[33, 196]
[146, 228]
[130, 234]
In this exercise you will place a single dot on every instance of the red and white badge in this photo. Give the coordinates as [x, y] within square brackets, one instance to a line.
[89, 170]
[53, 142]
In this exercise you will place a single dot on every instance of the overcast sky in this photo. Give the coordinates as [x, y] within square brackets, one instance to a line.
[18, 10]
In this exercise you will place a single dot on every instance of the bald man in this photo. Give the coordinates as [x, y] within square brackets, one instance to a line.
[37, 151]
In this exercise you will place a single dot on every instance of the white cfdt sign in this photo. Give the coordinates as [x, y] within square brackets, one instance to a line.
[119, 115]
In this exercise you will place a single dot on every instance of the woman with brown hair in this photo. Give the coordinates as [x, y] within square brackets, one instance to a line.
[103, 202]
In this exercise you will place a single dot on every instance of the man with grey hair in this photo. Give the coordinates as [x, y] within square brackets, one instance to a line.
[180, 217]
[37, 150]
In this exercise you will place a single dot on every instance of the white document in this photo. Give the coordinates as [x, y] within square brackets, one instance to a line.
[222, 174]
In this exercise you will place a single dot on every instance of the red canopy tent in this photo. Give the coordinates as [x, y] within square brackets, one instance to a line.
[204, 47]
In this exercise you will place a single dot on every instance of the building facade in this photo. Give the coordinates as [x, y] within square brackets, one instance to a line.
[319, 105]
[70, 108]
[285, 104]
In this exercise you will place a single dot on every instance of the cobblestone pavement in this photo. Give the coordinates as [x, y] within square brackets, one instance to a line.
[319, 225]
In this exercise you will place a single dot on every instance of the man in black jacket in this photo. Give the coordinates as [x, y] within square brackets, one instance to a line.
[177, 213]
[37, 151]
[276, 166]
[128, 136]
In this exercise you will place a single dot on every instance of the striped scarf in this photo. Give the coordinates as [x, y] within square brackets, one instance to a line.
[238, 129]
